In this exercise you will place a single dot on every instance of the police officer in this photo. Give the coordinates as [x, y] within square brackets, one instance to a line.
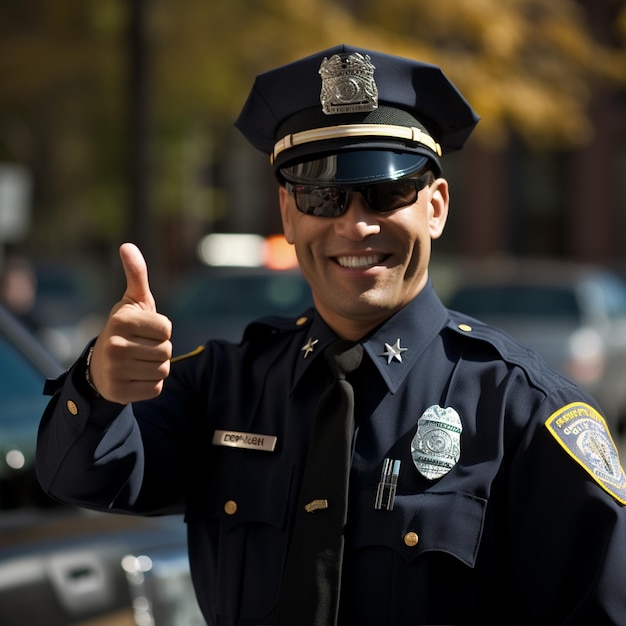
[483, 487]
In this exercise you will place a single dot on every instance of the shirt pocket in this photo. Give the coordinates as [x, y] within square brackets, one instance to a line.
[247, 511]
[447, 522]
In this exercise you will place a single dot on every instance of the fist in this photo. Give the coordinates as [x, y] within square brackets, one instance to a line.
[131, 357]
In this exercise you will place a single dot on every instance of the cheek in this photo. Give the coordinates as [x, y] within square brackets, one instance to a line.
[302, 233]
[420, 254]
[288, 232]
[413, 229]
[418, 246]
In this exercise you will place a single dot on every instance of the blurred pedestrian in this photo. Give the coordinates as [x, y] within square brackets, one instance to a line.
[18, 290]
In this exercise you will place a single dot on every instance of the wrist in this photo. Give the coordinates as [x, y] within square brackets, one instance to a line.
[88, 378]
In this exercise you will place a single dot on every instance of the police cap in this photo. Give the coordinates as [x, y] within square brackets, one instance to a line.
[352, 115]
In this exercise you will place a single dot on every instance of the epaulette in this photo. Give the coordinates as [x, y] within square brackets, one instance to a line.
[275, 324]
[52, 385]
[509, 348]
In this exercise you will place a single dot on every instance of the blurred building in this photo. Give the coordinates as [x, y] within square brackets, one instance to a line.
[520, 200]
[569, 204]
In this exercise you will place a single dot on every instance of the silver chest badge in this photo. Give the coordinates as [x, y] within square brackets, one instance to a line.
[436, 447]
[348, 84]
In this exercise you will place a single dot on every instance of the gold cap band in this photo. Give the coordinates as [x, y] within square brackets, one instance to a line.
[355, 130]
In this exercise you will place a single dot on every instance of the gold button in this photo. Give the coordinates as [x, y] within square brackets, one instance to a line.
[465, 328]
[302, 320]
[71, 407]
[230, 507]
[411, 539]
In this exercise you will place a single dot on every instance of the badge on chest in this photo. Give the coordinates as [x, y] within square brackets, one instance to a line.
[436, 446]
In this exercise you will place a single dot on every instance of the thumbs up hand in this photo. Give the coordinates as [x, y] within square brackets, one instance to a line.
[131, 357]
[137, 286]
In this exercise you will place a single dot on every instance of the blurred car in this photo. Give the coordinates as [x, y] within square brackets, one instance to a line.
[25, 366]
[220, 302]
[61, 303]
[69, 304]
[62, 566]
[572, 315]
[73, 567]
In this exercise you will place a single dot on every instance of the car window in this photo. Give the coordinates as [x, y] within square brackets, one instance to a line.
[243, 295]
[527, 301]
[19, 377]
[614, 294]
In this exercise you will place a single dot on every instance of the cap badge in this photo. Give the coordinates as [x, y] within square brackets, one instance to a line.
[348, 84]
[436, 447]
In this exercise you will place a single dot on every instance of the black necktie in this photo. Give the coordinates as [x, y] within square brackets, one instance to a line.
[312, 577]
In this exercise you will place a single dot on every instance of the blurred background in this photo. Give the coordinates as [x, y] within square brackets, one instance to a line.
[116, 124]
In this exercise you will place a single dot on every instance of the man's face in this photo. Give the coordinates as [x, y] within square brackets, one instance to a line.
[364, 266]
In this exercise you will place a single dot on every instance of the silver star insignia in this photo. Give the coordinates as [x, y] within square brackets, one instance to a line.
[309, 346]
[394, 352]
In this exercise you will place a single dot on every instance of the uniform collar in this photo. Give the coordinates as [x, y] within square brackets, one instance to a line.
[317, 336]
[394, 347]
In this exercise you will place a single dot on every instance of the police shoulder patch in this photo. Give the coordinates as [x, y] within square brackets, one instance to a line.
[583, 434]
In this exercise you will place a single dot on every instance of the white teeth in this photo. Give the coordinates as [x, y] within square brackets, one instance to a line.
[359, 261]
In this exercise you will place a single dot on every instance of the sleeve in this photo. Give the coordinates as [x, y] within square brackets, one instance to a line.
[567, 531]
[106, 456]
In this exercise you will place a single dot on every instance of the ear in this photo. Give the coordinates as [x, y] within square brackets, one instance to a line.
[438, 207]
[285, 202]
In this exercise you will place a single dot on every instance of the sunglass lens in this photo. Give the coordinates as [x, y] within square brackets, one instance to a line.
[380, 197]
[323, 201]
[391, 195]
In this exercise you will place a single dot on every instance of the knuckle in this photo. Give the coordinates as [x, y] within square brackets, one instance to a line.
[164, 369]
[116, 347]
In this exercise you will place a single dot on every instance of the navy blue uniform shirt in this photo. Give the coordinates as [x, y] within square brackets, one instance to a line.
[513, 515]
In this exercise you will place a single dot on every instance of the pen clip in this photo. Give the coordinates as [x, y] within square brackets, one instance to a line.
[388, 484]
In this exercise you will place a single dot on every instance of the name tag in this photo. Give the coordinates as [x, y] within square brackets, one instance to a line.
[250, 441]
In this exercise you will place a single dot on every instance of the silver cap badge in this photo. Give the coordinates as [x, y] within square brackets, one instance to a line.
[436, 447]
[348, 84]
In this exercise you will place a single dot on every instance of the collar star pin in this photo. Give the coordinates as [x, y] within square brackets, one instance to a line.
[309, 346]
[394, 352]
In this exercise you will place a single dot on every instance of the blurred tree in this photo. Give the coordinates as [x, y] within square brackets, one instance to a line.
[526, 65]
[61, 112]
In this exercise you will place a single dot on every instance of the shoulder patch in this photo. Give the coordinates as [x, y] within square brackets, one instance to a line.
[583, 434]
[187, 355]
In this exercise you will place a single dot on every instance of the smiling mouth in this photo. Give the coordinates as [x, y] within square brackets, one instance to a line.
[357, 262]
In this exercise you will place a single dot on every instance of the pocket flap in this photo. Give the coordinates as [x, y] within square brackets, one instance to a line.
[247, 487]
[446, 522]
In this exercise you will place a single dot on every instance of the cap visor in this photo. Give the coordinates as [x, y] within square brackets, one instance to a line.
[356, 167]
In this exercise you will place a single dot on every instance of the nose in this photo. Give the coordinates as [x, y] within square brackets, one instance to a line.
[358, 221]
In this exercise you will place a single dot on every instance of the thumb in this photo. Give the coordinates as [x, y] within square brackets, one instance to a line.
[136, 272]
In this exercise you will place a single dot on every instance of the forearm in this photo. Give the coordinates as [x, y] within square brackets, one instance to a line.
[89, 451]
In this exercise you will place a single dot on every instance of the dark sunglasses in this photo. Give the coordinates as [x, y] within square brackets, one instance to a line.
[332, 201]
